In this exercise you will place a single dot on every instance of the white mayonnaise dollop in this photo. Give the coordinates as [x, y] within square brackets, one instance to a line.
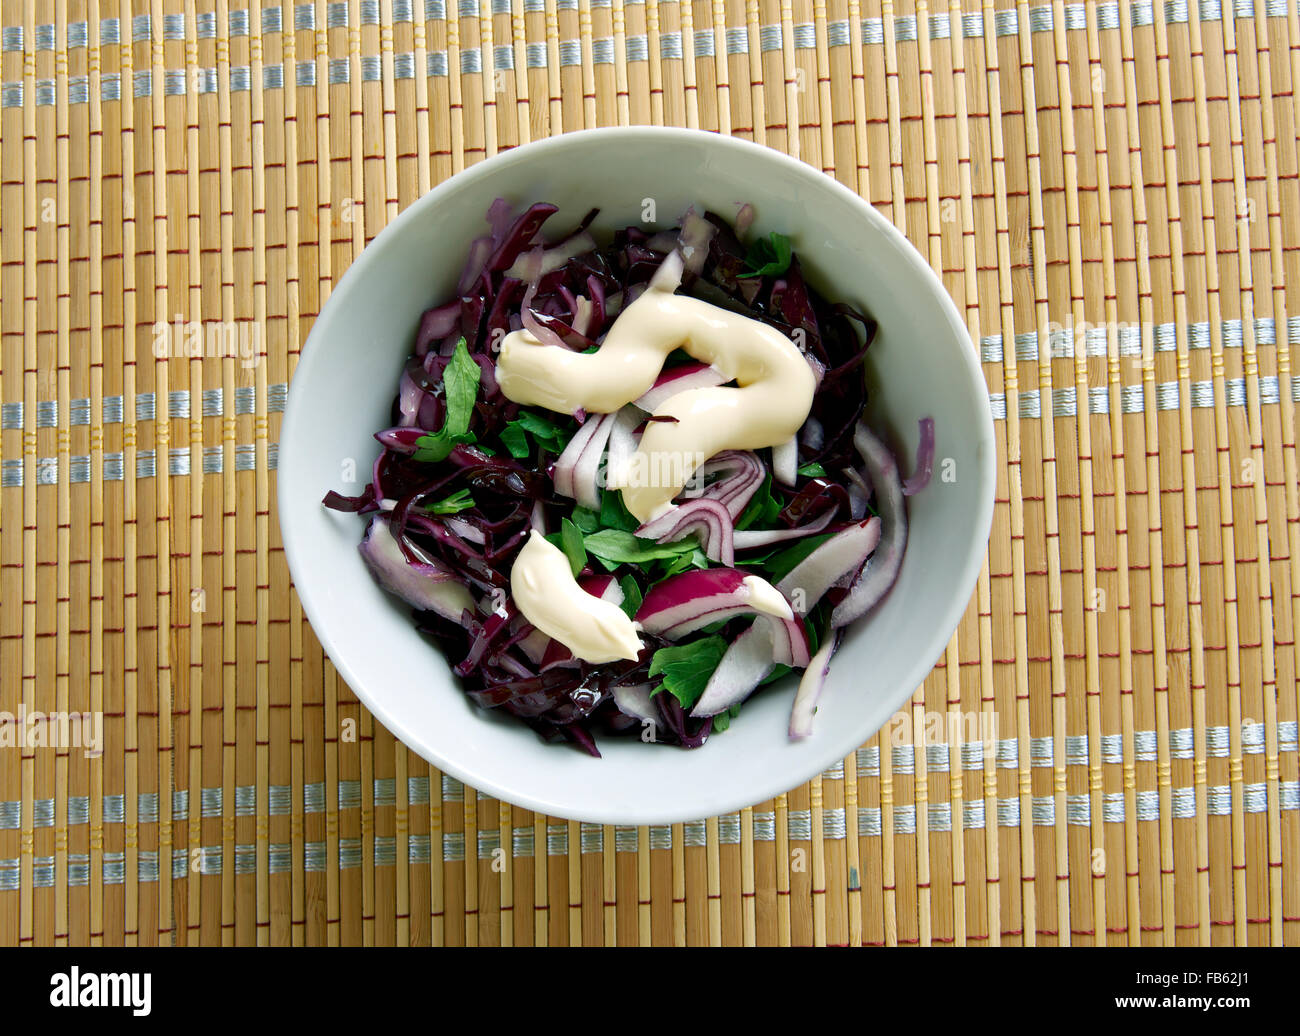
[544, 590]
[767, 406]
[767, 599]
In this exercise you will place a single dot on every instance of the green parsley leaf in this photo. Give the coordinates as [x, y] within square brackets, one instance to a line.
[571, 544]
[723, 719]
[586, 520]
[458, 501]
[762, 509]
[615, 547]
[537, 424]
[670, 567]
[686, 668]
[546, 434]
[769, 257]
[460, 389]
[543, 429]
[813, 470]
[631, 595]
[514, 440]
[613, 515]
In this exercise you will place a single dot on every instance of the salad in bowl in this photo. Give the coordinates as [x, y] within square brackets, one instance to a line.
[627, 484]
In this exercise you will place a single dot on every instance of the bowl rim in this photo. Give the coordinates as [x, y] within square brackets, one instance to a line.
[838, 743]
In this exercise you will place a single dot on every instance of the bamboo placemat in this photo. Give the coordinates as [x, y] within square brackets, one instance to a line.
[1111, 192]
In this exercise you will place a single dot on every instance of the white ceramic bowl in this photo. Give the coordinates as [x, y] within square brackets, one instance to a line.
[921, 364]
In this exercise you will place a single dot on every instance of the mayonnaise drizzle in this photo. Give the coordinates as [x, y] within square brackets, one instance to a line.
[544, 590]
[770, 402]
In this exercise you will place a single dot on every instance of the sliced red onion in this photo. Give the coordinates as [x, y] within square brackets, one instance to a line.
[882, 570]
[812, 435]
[845, 552]
[403, 516]
[604, 586]
[707, 517]
[553, 652]
[859, 493]
[675, 380]
[746, 663]
[578, 467]
[480, 250]
[622, 444]
[924, 459]
[466, 530]
[534, 646]
[785, 462]
[693, 243]
[418, 408]
[586, 471]
[531, 641]
[512, 665]
[557, 656]
[663, 242]
[690, 600]
[790, 641]
[744, 220]
[582, 315]
[689, 254]
[669, 275]
[748, 539]
[740, 474]
[426, 584]
[552, 258]
[686, 601]
[532, 264]
[635, 701]
[811, 685]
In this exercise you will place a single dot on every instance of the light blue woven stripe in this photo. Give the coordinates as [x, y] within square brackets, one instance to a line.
[939, 816]
[1039, 19]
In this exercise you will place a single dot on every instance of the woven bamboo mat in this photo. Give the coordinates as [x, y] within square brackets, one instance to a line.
[1111, 192]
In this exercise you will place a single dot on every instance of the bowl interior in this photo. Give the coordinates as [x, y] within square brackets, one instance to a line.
[921, 364]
